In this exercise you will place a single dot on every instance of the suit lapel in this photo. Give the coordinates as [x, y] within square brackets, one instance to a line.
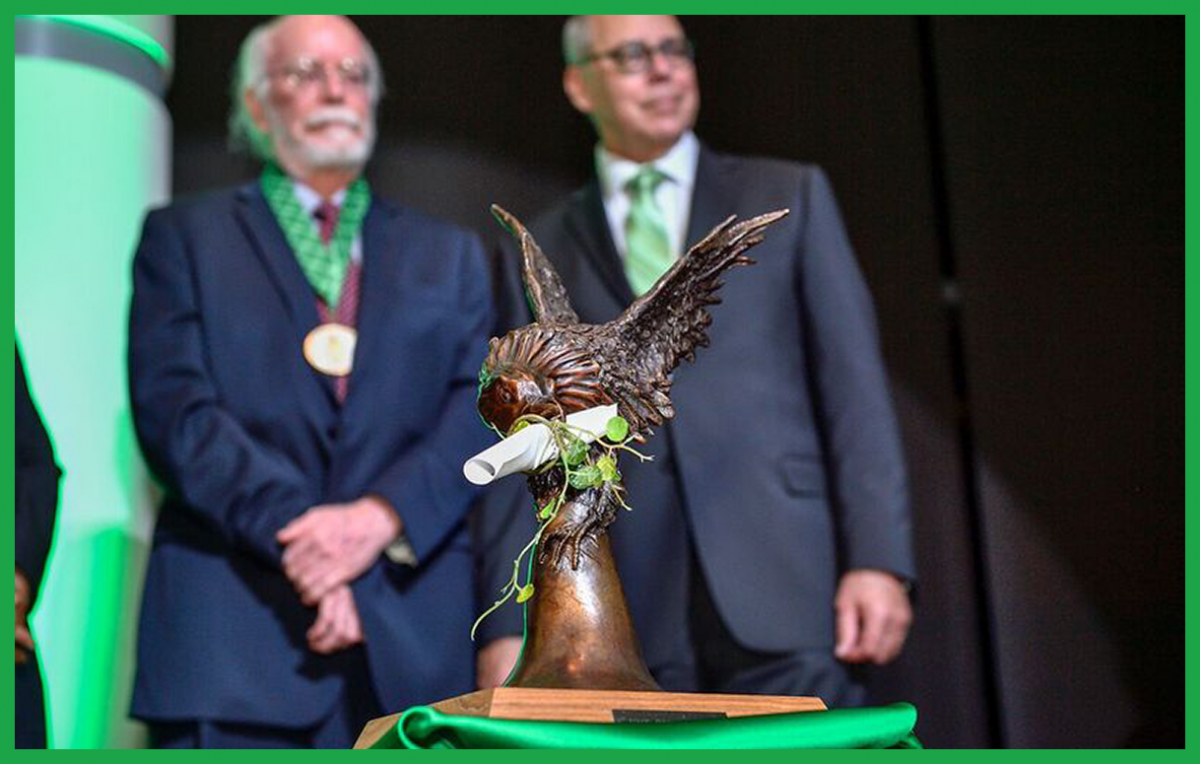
[382, 288]
[588, 225]
[712, 198]
[272, 247]
[380, 276]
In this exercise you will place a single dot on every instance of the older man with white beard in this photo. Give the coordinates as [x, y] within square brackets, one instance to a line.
[310, 568]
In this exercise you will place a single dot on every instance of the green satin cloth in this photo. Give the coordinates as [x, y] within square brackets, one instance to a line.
[880, 727]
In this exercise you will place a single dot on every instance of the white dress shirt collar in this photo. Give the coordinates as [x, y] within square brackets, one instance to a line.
[310, 200]
[678, 164]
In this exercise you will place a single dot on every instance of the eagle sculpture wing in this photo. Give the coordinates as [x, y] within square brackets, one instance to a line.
[668, 323]
[543, 287]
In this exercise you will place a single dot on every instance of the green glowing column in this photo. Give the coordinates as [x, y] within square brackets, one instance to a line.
[92, 154]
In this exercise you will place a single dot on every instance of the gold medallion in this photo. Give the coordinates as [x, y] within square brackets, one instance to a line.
[330, 349]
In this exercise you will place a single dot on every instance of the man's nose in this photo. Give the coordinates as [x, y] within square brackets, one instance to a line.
[332, 86]
[660, 64]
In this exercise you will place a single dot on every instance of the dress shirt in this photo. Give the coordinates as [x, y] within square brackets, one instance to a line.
[674, 194]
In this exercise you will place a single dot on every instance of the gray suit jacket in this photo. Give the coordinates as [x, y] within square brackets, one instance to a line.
[785, 449]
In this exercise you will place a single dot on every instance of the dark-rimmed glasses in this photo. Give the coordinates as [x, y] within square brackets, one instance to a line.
[635, 57]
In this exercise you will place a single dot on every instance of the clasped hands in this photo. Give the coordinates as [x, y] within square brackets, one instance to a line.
[325, 549]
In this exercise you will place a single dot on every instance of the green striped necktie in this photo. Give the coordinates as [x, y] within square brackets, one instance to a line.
[648, 248]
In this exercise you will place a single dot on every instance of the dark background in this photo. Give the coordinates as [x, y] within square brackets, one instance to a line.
[1014, 188]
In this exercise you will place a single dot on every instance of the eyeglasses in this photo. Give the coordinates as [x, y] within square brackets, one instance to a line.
[636, 57]
[306, 73]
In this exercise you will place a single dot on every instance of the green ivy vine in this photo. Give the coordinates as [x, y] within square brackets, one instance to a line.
[582, 470]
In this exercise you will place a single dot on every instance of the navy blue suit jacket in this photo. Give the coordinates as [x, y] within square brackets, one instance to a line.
[246, 436]
[784, 449]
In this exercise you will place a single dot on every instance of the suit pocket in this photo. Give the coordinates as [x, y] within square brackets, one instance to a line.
[803, 475]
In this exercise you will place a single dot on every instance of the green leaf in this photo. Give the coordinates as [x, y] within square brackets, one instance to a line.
[586, 477]
[521, 425]
[577, 451]
[524, 593]
[617, 429]
[608, 468]
[547, 510]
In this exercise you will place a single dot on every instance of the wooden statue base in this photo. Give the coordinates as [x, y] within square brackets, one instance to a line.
[603, 706]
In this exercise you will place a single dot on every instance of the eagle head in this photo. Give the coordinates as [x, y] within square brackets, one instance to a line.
[513, 391]
[537, 370]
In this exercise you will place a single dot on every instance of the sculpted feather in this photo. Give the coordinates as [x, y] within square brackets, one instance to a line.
[557, 365]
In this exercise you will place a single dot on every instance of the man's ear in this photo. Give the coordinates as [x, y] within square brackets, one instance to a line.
[576, 89]
[257, 109]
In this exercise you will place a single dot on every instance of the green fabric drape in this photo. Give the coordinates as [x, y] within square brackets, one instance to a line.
[880, 727]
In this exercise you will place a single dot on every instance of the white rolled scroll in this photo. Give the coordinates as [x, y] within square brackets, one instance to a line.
[533, 446]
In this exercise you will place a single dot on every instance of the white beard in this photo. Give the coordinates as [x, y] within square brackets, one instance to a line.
[350, 155]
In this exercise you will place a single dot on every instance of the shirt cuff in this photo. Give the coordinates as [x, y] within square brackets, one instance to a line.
[401, 552]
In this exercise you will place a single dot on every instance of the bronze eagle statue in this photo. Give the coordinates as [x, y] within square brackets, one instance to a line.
[557, 366]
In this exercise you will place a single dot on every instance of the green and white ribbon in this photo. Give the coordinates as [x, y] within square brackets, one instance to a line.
[323, 265]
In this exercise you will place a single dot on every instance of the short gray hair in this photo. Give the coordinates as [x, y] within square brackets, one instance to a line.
[577, 39]
[250, 72]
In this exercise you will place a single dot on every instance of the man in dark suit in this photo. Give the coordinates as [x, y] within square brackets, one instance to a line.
[36, 482]
[770, 541]
[303, 359]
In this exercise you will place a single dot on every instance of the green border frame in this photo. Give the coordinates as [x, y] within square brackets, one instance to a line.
[1191, 310]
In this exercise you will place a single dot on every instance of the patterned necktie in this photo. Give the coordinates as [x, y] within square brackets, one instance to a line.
[648, 254]
[327, 219]
[346, 311]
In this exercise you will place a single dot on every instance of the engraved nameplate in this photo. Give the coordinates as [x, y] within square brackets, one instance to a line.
[645, 716]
